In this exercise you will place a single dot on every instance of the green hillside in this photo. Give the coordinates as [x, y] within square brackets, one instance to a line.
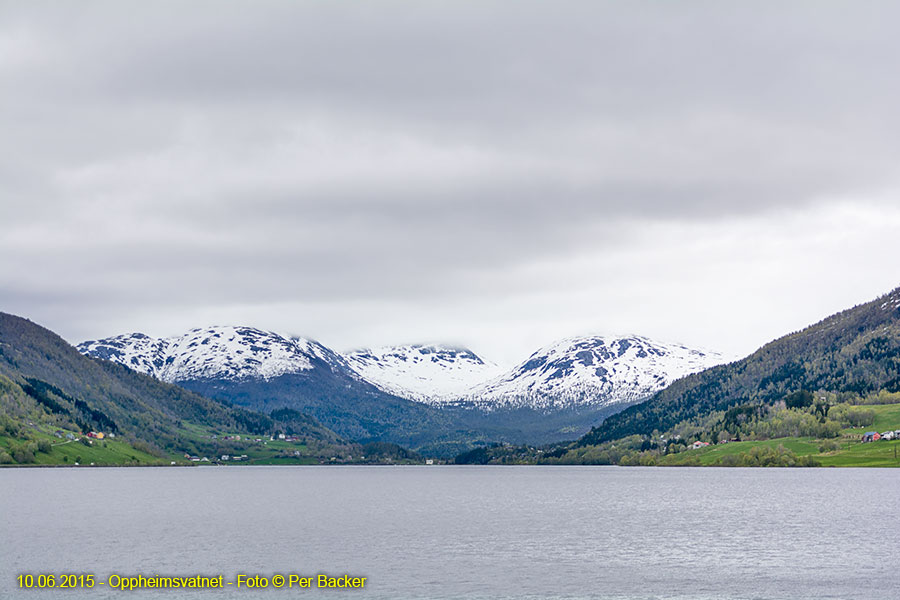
[854, 352]
[48, 390]
[777, 437]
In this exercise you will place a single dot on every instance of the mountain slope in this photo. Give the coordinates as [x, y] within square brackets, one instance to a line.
[856, 351]
[419, 395]
[47, 379]
[559, 393]
[591, 372]
[427, 373]
[265, 371]
[231, 353]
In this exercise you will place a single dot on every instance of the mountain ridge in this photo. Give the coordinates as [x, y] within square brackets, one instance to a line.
[430, 373]
[265, 371]
[46, 379]
[593, 371]
[573, 372]
[215, 352]
[856, 350]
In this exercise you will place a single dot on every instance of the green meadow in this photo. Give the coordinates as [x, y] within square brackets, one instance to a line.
[44, 448]
[850, 451]
[106, 452]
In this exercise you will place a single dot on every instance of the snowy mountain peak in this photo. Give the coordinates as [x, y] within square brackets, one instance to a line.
[428, 373]
[564, 357]
[592, 371]
[596, 370]
[210, 353]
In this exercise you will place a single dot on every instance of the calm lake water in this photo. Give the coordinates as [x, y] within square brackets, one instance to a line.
[461, 532]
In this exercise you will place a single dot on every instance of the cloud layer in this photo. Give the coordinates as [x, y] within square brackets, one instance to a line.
[498, 173]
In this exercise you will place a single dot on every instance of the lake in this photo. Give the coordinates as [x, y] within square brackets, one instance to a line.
[447, 532]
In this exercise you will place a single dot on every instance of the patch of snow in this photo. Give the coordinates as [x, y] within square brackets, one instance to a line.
[893, 302]
[592, 371]
[584, 371]
[426, 373]
[209, 353]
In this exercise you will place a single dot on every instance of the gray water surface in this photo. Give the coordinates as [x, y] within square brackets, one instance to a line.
[461, 532]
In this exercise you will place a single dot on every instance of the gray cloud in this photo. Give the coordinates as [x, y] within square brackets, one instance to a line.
[215, 159]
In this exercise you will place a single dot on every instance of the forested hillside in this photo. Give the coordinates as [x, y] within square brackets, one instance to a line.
[45, 381]
[855, 351]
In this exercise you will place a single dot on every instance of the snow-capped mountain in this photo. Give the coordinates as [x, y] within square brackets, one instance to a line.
[576, 372]
[591, 371]
[227, 353]
[412, 395]
[427, 373]
[266, 371]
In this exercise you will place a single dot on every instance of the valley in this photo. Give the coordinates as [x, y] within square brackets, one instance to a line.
[243, 395]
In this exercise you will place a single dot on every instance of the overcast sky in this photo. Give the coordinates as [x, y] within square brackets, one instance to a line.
[492, 174]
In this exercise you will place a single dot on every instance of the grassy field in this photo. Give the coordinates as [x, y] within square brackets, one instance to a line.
[852, 452]
[856, 454]
[712, 454]
[887, 416]
[100, 452]
[49, 449]
[117, 452]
